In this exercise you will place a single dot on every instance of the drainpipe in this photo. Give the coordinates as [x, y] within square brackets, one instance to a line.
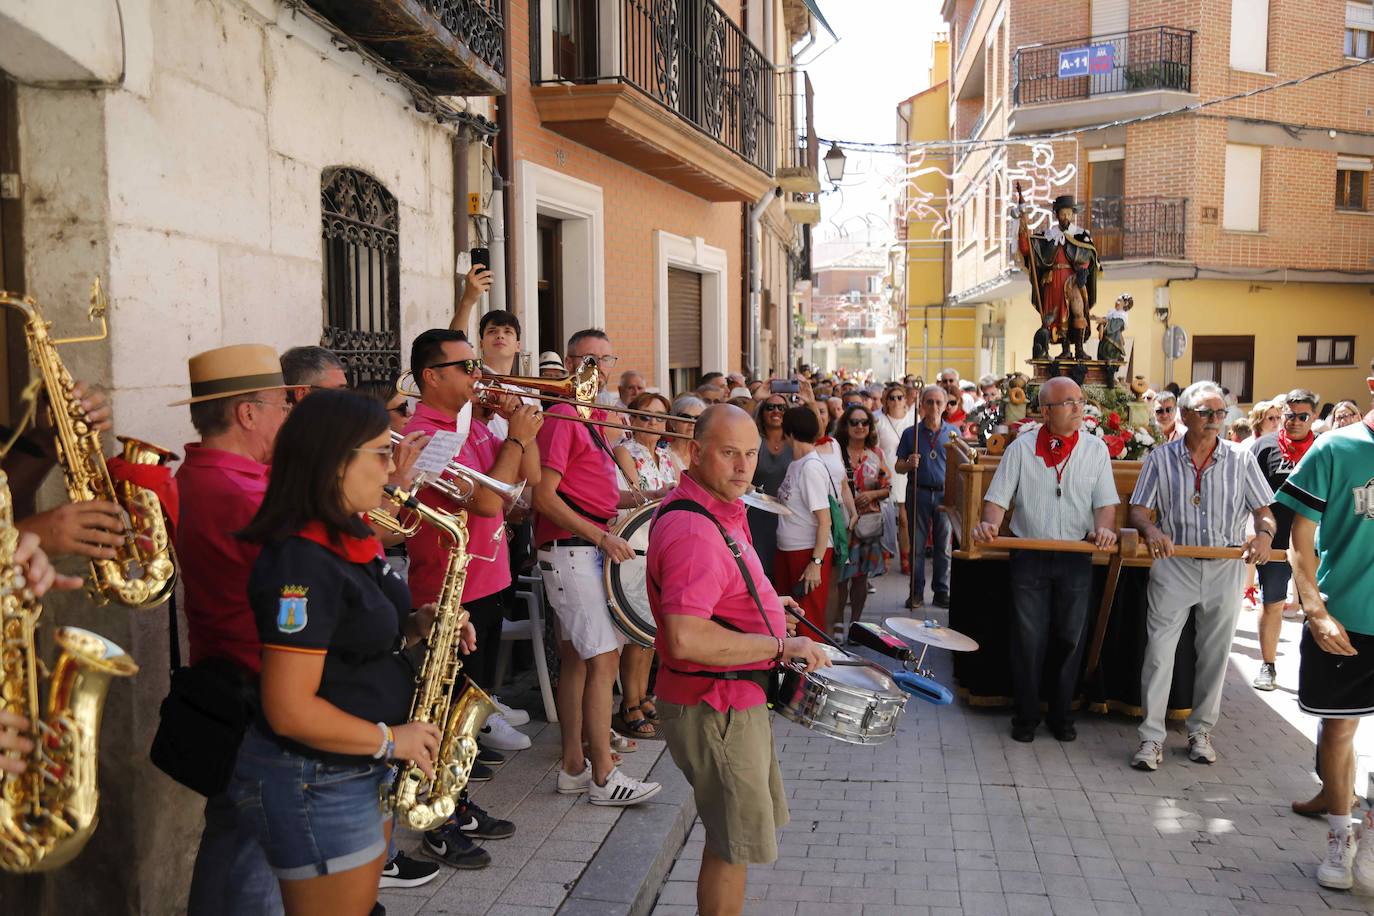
[756, 277]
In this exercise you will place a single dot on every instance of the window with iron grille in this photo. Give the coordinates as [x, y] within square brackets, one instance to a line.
[362, 276]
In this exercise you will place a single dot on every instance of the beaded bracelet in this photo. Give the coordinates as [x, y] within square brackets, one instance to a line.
[388, 746]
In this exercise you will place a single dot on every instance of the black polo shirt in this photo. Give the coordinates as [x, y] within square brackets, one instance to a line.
[328, 600]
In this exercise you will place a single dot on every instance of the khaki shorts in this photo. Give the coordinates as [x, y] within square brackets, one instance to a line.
[732, 765]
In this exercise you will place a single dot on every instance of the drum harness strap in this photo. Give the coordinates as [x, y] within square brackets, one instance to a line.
[767, 679]
[591, 516]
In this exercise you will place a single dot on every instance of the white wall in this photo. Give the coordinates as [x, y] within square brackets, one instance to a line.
[213, 153]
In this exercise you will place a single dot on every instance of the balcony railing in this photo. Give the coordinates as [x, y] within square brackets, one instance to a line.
[1142, 59]
[451, 47]
[800, 156]
[689, 58]
[1138, 228]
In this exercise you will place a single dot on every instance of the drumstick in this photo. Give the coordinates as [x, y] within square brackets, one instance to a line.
[813, 628]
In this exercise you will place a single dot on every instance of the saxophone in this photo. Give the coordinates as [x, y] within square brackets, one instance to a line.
[143, 572]
[49, 812]
[459, 718]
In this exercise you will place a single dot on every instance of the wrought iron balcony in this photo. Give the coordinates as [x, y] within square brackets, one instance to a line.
[799, 158]
[1139, 60]
[687, 60]
[1138, 228]
[450, 47]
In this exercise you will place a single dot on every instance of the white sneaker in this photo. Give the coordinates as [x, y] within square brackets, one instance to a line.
[1364, 854]
[621, 790]
[1148, 756]
[575, 784]
[1335, 870]
[498, 734]
[1200, 748]
[1266, 677]
[516, 717]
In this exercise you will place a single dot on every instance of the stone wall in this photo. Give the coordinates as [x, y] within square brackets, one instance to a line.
[193, 189]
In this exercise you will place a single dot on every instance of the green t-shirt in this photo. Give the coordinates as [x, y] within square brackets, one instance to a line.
[1333, 486]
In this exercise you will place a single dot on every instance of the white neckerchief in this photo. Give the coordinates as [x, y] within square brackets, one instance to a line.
[1056, 235]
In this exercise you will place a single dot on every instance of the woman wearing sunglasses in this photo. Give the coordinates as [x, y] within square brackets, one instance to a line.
[868, 476]
[335, 688]
[775, 454]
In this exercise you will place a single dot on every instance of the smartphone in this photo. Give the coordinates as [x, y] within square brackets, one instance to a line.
[784, 386]
[481, 256]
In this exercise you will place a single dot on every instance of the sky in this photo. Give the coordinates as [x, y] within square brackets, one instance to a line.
[882, 58]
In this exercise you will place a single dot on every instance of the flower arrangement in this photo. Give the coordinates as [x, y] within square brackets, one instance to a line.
[1121, 441]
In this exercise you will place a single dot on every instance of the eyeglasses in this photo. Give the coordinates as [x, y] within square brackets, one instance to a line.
[1300, 417]
[1160, 411]
[1070, 402]
[469, 366]
[608, 360]
[778, 407]
[284, 405]
[1208, 414]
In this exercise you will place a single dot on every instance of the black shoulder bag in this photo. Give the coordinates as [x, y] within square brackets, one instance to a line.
[203, 718]
[768, 679]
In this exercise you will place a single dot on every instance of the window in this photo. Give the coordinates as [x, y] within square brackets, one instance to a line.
[1326, 351]
[574, 39]
[1250, 35]
[362, 276]
[1352, 182]
[1241, 198]
[1228, 361]
[1359, 29]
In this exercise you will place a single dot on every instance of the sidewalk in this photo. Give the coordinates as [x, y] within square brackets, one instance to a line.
[953, 816]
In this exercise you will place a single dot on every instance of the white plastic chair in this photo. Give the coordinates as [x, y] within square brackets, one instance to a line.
[531, 590]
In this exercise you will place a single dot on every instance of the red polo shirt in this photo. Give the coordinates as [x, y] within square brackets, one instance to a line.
[489, 567]
[695, 575]
[220, 494]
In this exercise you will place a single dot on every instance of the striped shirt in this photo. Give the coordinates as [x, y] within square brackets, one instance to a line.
[1232, 487]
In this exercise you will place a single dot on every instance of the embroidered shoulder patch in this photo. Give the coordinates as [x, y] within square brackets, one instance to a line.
[291, 616]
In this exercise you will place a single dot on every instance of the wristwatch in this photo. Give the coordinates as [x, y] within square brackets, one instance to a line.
[819, 561]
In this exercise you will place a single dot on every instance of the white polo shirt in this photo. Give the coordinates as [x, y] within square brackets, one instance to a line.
[1025, 480]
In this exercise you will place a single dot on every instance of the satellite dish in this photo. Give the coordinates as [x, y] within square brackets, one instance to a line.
[1175, 341]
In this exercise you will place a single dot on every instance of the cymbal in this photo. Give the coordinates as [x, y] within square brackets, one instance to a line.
[938, 636]
[761, 500]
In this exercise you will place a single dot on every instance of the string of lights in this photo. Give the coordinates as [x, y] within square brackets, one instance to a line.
[993, 143]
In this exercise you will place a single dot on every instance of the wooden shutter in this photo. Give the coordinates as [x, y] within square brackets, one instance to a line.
[684, 319]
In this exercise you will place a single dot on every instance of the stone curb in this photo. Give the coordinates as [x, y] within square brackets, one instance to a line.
[627, 872]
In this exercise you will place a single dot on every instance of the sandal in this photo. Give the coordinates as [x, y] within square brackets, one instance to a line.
[636, 726]
[649, 706]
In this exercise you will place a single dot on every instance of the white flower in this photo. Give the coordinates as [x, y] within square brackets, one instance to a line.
[1144, 436]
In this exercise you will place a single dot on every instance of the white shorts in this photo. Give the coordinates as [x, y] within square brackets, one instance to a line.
[575, 584]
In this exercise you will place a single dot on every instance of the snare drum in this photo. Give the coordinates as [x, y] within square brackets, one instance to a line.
[627, 595]
[851, 701]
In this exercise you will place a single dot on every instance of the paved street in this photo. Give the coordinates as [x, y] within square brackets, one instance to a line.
[953, 816]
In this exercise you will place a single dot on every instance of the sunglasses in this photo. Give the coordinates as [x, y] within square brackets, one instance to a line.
[469, 366]
[1300, 417]
[1160, 411]
[778, 407]
[857, 422]
[402, 409]
[896, 397]
[933, 403]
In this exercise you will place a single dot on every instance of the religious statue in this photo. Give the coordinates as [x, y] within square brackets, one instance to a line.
[1063, 267]
[1111, 331]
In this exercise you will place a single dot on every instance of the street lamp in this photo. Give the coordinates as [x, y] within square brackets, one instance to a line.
[834, 163]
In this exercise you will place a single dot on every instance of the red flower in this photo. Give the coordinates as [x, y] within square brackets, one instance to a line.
[1116, 445]
[1114, 421]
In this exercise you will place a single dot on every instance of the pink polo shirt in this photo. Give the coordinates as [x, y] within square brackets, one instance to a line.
[489, 567]
[690, 571]
[589, 471]
[220, 493]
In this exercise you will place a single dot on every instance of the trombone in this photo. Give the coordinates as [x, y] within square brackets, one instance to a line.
[578, 389]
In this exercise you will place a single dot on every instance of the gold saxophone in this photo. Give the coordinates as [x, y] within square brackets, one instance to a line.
[143, 572]
[459, 719]
[48, 812]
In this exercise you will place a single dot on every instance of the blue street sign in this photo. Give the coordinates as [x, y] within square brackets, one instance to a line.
[1085, 61]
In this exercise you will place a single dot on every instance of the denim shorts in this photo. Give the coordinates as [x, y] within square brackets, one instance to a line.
[312, 818]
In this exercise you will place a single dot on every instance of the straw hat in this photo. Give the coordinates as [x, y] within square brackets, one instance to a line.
[229, 371]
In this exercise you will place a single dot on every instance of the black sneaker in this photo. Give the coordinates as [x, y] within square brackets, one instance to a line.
[403, 871]
[474, 823]
[488, 757]
[480, 772]
[941, 600]
[452, 848]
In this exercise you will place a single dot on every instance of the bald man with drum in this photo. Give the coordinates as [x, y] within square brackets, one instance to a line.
[721, 630]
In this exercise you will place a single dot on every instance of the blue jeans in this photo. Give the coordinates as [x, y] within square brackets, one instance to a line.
[1049, 601]
[231, 875]
[923, 515]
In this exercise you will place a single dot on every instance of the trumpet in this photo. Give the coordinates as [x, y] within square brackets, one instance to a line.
[459, 482]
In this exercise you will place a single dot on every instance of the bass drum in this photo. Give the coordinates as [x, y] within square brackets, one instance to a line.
[627, 595]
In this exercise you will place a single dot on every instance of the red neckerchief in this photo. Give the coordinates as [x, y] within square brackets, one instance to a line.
[350, 547]
[1291, 451]
[1054, 449]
